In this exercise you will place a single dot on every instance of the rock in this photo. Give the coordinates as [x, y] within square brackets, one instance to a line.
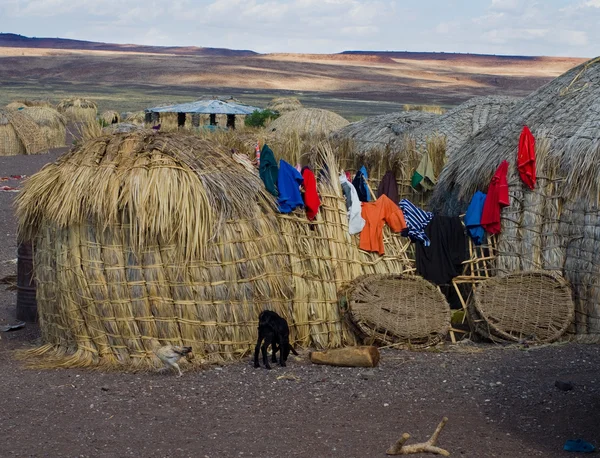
[563, 386]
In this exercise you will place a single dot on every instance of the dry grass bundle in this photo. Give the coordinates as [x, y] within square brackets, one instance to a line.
[284, 105]
[78, 109]
[51, 122]
[19, 134]
[110, 117]
[19, 104]
[307, 121]
[556, 225]
[152, 238]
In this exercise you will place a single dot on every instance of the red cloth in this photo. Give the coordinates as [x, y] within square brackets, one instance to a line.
[526, 158]
[349, 177]
[311, 196]
[497, 197]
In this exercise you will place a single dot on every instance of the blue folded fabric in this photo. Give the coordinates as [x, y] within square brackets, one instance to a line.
[579, 446]
[288, 182]
[473, 218]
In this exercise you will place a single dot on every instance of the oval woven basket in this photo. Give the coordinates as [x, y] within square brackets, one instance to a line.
[398, 310]
[532, 306]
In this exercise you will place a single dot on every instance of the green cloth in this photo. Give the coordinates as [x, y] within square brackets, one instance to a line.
[424, 179]
[268, 170]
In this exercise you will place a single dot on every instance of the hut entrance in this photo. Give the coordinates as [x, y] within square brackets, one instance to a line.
[231, 121]
[213, 119]
[180, 119]
[195, 120]
[148, 117]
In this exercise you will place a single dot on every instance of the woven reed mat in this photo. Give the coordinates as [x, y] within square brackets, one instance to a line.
[398, 310]
[531, 306]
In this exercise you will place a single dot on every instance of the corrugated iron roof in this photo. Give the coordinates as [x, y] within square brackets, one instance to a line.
[206, 107]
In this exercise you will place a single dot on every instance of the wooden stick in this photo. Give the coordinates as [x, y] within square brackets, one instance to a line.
[422, 447]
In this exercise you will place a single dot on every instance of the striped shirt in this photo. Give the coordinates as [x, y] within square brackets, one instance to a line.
[416, 221]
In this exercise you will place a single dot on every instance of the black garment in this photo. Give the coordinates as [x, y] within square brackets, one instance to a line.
[441, 261]
[389, 187]
[359, 184]
[347, 194]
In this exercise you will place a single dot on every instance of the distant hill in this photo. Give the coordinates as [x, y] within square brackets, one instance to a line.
[11, 40]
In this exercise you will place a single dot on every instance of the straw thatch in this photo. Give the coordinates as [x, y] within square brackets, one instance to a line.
[78, 110]
[307, 121]
[557, 225]
[135, 117]
[19, 134]
[284, 105]
[381, 132]
[110, 117]
[51, 122]
[19, 104]
[147, 238]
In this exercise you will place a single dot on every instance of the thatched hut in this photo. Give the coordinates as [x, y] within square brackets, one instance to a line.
[19, 104]
[146, 238]
[19, 134]
[284, 105]
[110, 117]
[135, 117]
[555, 226]
[307, 121]
[51, 122]
[78, 110]
[381, 132]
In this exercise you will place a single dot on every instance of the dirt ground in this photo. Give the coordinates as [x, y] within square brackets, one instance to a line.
[500, 401]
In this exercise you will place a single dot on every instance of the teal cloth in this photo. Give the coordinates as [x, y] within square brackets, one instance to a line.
[268, 170]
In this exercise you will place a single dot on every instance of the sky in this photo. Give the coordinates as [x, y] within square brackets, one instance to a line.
[509, 27]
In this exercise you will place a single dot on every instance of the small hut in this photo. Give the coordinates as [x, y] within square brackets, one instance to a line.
[284, 105]
[307, 121]
[78, 110]
[555, 226]
[202, 113]
[19, 134]
[110, 117]
[51, 122]
[135, 117]
[144, 239]
[19, 104]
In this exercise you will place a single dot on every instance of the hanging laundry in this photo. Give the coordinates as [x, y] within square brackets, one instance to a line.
[348, 176]
[312, 202]
[416, 222]
[526, 157]
[424, 178]
[356, 223]
[289, 181]
[268, 170]
[376, 214]
[497, 198]
[442, 260]
[473, 218]
[388, 186]
[360, 184]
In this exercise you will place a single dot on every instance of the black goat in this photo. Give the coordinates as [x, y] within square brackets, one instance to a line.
[273, 330]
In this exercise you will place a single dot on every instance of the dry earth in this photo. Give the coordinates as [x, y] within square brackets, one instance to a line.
[501, 402]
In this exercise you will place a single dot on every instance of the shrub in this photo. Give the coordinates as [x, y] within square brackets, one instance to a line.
[259, 118]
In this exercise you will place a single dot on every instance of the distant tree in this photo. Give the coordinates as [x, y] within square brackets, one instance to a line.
[259, 118]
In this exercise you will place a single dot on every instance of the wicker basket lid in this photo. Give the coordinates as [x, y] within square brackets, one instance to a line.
[398, 309]
[530, 305]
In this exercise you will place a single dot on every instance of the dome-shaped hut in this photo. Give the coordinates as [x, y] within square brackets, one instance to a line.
[19, 134]
[51, 122]
[19, 104]
[554, 226]
[110, 117]
[284, 105]
[78, 110]
[149, 238]
[135, 117]
[307, 121]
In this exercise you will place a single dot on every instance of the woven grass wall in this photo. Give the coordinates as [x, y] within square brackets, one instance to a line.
[143, 239]
[52, 124]
[19, 134]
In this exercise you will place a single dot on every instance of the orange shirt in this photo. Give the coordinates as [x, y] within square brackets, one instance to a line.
[376, 214]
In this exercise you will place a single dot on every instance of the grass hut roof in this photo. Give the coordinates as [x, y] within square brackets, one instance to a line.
[78, 109]
[136, 117]
[284, 105]
[122, 127]
[145, 238]
[51, 122]
[17, 104]
[110, 117]
[19, 134]
[554, 226]
[307, 121]
[379, 132]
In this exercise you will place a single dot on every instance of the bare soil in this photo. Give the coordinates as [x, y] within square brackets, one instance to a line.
[500, 401]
